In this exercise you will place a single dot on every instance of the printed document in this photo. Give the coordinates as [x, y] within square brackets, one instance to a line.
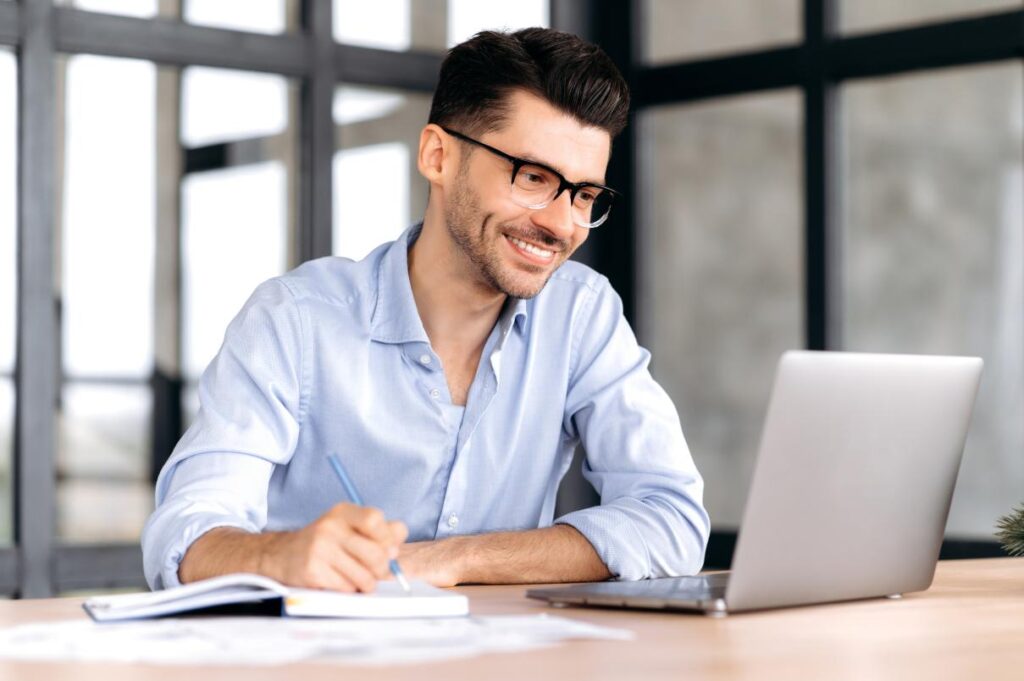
[256, 641]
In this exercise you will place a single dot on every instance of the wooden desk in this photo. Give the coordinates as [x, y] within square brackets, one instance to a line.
[969, 625]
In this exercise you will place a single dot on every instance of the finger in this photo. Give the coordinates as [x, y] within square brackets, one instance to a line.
[326, 543]
[339, 582]
[345, 519]
[369, 522]
[339, 536]
[354, 571]
[373, 556]
[399, 532]
[326, 576]
[342, 510]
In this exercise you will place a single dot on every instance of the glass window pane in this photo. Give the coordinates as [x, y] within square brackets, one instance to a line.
[225, 213]
[109, 197]
[189, 404]
[107, 217]
[103, 492]
[932, 251]
[371, 184]
[248, 205]
[257, 16]
[435, 25]
[8, 281]
[676, 31]
[133, 8]
[384, 24]
[378, 191]
[8, 208]
[220, 105]
[873, 15]
[467, 17]
[6, 458]
[721, 273]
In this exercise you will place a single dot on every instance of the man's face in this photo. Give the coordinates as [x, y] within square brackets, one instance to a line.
[512, 249]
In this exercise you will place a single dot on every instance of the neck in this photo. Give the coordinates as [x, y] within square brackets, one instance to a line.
[456, 308]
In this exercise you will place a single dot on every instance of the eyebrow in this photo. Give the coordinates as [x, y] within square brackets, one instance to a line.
[531, 160]
[547, 166]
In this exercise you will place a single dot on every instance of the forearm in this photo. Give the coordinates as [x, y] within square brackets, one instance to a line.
[345, 549]
[551, 554]
[222, 551]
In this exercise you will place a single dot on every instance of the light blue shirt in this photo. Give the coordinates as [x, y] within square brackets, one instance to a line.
[333, 357]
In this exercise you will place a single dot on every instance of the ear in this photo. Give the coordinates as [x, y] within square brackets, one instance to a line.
[434, 154]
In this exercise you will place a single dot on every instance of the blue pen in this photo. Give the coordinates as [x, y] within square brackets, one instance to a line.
[354, 497]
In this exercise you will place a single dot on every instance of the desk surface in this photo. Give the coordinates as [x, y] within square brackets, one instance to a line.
[970, 624]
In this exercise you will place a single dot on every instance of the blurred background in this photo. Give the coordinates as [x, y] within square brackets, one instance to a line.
[828, 174]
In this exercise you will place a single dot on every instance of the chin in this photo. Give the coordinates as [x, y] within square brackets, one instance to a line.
[517, 287]
[522, 294]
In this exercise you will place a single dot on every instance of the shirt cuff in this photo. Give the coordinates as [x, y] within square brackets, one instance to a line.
[162, 573]
[615, 538]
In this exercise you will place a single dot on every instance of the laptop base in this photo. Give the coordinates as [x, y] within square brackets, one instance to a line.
[701, 593]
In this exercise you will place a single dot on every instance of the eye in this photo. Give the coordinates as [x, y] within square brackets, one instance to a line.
[531, 177]
[585, 197]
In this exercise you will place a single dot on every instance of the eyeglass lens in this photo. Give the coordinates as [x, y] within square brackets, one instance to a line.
[535, 187]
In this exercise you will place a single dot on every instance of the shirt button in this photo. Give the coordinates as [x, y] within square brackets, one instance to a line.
[435, 393]
[453, 521]
[425, 359]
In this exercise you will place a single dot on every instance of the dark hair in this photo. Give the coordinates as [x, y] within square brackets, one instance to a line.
[575, 76]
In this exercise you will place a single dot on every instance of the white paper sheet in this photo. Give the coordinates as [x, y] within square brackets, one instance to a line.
[275, 641]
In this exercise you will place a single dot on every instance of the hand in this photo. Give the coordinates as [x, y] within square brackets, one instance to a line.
[435, 562]
[346, 549]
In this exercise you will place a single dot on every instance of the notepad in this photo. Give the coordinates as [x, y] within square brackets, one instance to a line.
[388, 601]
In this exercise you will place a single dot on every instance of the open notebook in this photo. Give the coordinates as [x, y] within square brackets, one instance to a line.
[388, 601]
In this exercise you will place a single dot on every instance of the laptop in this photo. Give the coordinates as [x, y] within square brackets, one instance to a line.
[850, 494]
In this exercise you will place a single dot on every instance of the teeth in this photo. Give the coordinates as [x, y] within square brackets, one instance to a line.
[530, 248]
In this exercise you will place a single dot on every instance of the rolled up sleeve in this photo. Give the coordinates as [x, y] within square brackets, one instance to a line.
[251, 406]
[651, 521]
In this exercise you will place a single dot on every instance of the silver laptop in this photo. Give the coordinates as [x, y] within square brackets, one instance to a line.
[851, 490]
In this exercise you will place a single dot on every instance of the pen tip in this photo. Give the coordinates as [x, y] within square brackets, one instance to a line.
[404, 582]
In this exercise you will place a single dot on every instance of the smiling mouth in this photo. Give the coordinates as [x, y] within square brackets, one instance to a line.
[536, 252]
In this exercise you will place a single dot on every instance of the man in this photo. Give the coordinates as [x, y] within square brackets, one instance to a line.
[452, 371]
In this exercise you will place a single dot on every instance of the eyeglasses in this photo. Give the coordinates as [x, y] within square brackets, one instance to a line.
[535, 186]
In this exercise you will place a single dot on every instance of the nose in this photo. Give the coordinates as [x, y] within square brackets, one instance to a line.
[556, 217]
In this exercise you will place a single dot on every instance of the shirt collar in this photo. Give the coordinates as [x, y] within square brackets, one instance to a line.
[515, 313]
[395, 318]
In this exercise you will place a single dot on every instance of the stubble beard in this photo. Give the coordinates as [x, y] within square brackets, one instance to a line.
[461, 214]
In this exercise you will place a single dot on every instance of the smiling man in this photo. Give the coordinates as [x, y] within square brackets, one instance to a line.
[453, 371]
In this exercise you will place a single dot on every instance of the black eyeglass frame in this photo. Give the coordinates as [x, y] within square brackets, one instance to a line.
[518, 163]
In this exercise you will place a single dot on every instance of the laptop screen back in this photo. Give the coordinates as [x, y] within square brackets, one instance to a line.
[854, 477]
